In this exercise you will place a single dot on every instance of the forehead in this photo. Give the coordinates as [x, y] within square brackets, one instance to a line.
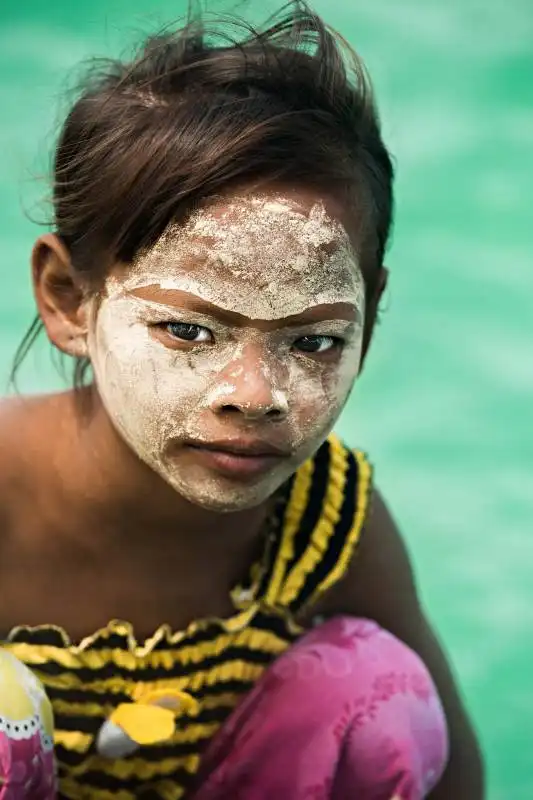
[274, 251]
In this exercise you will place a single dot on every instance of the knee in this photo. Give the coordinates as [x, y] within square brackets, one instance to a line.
[396, 729]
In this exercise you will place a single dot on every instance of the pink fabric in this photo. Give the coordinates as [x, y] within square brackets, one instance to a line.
[27, 769]
[348, 713]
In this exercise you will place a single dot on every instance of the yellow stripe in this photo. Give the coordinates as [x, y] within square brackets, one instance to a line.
[90, 709]
[125, 630]
[77, 742]
[73, 740]
[71, 789]
[169, 790]
[257, 640]
[325, 527]
[132, 767]
[297, 504]
[364, 482]
[231, 670]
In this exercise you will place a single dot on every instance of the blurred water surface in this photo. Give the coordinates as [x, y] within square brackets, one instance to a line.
[444, 406]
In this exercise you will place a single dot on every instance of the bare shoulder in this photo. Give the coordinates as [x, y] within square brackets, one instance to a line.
[379, 571]
[381, 580]
[27, 428]
[21, 415]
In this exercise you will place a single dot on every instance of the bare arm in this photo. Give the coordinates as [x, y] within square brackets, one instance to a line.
[381, 586]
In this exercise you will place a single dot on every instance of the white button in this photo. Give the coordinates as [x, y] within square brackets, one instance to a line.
[113, 742]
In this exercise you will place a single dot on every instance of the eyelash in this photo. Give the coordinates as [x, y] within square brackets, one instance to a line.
[335, 343]
[167, 326]
[186, 327]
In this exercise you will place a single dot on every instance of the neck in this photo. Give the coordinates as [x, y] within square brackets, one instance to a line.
[121, 494]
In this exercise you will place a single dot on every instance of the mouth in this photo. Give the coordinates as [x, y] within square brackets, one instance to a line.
[244, 459]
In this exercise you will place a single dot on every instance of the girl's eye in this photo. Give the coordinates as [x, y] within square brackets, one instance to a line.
[187, 332]
[318, 343]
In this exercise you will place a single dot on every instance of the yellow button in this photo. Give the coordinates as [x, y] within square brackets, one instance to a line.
[151, 719]
[144, 724]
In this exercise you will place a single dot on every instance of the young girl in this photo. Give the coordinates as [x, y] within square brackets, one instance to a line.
[221, 212]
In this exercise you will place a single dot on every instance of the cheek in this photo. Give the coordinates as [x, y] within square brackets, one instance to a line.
[342, 378]
[319, 393]
[311, 391]
[154, 381]
[141, 382]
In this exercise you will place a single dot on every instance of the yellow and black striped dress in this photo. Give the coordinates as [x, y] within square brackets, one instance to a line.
[213, 661]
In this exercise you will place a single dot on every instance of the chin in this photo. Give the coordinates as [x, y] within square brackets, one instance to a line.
[224, 497]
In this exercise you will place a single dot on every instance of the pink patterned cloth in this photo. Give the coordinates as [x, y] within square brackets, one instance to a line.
[27, 767]
[27, 770]
[348, 713]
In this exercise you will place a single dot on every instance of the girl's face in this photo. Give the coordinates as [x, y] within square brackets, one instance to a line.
[226, 353]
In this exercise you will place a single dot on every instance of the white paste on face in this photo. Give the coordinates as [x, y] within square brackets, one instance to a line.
[263, 258]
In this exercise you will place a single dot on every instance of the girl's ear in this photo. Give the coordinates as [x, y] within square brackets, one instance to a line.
[59, 298]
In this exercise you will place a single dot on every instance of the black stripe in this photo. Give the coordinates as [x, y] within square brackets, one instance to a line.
[79, 724]
[112, 698]
[233, 686]
[153, 673]
[37, 636]
[91, 724]
[263, 622]
[272, 623]
[337, 540]
[83, 696]
[273, 547]
[68, 759]
[96, 781]
[114, 641]
[313, 511]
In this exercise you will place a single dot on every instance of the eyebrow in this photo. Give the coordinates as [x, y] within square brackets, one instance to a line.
[182, 299]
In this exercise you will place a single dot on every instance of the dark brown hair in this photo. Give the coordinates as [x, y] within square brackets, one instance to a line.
[207, 107]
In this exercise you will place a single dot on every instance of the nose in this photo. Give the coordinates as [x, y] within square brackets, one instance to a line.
[251, 388]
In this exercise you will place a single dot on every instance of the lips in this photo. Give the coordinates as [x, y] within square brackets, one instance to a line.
[244, 459]
[241, 447]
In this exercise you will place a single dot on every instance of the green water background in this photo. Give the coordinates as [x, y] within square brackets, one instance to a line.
[444, 407]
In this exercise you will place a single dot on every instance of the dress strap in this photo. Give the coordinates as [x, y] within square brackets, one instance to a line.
[321, 527]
